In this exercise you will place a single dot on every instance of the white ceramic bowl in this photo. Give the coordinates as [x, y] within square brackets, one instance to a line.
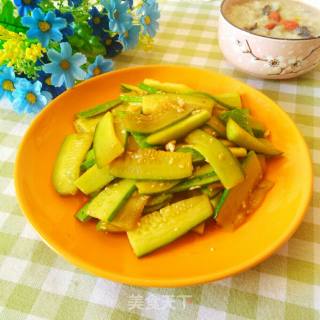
[265, 57]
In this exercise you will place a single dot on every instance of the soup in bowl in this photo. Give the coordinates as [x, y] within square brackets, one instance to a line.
[271, 39]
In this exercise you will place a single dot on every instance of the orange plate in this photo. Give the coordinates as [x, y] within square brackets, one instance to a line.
[192, 259]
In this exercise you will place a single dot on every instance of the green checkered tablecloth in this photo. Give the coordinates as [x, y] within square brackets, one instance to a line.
[36, 284]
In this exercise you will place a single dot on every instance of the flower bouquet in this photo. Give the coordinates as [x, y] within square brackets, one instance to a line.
[47, 46]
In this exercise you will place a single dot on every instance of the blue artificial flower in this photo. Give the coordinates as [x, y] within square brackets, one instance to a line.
[28, 97]
[68, 30]
[99, 66]
[45, 79]
[8, 82]
[112, 45]
[149, 15]
[26, 6]
[74, 3]
[98, 21]
[119, 18]
[44, 26]
[130, 38]
[65, 67]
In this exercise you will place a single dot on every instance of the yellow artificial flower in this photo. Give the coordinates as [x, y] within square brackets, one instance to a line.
[146, 42]
[34, 52]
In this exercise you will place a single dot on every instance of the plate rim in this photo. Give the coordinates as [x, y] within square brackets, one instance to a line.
[166, 283]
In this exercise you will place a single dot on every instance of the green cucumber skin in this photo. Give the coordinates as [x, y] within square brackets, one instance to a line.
[141, 140]
[224, 196]
[81, 215]
[121, 204]
[179, 129]
[89, 160]
[196, 156]
[196, 181]
[127, 98]
[147, 88]
[104, 107]
[117, 194]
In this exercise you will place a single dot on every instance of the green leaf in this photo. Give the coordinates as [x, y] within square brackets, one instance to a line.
[8, 20]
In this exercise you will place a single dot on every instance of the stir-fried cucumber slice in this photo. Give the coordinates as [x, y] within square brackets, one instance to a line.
[162, 227]
[109, 201]
[234, 199]
[217, 126]
[88, 125]
[179, 129]
[82, 214]
[150, 164]
[152, 187]
[128, 217]
[154, 102]
[106, 144]
[93, 179]
[196, 156]
[225, 165]
[168, 86]
[244, 139]
[132, 88]
[149, 123]
[147, 88]
[89, 161]
[67, 166]
[101, 108]
[130, 98]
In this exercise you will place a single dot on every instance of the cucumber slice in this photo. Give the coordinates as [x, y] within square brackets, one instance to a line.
[159, 199]
[82, 215]
[233, 200]
[101, 108]
[217, 126]
[162, 227]
[107, 227]
[225, 165]
[240, 116]
[67, 165]
[195, 182]
[93, 179]
[258, 128]
[152, 187]
[148, 123]
[109, 202]
[86, 124]
[244, 139]
[89, 160]
[238, 152]
[120, 130]
[131, 88]
[196, 156]
[168, 86]
[179, 129]
[141, 140]
[150, 164]
[157, 202]
[128, 217]
[106, 144]
[147, 88]
[154, 102]
[130, 98]
[229, 100]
